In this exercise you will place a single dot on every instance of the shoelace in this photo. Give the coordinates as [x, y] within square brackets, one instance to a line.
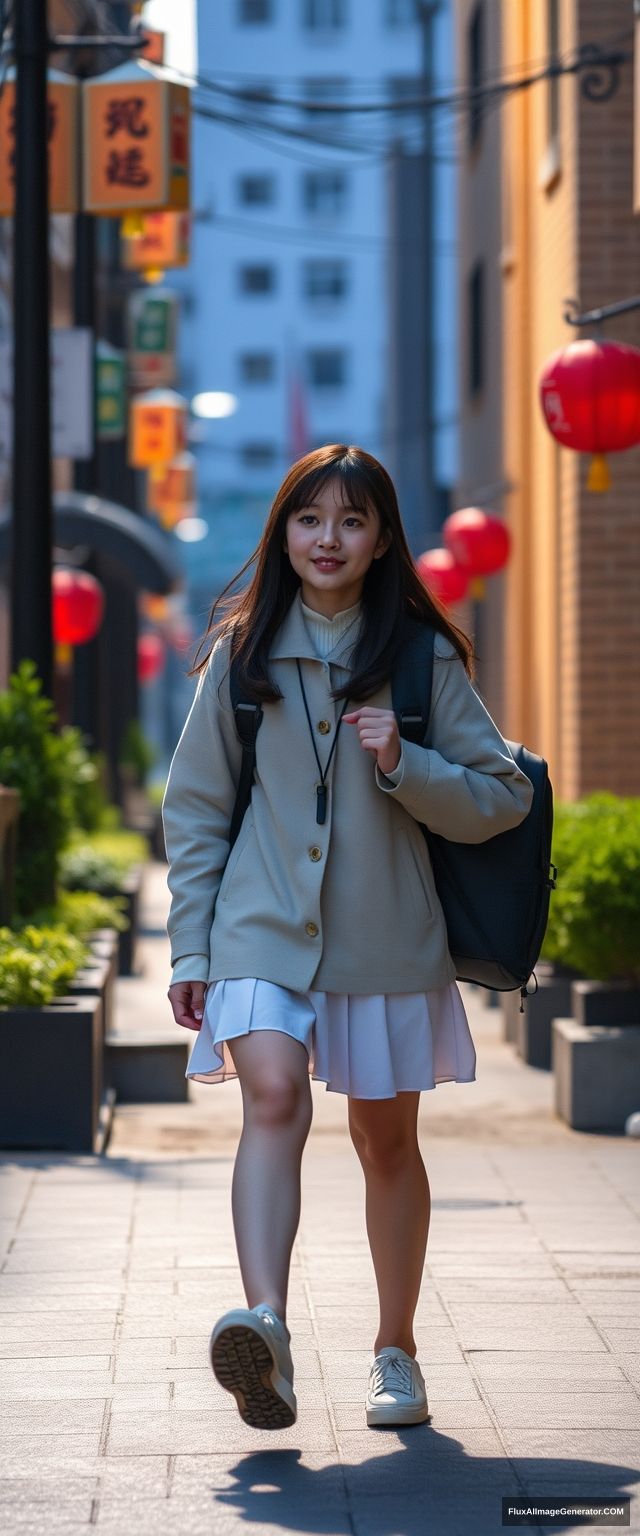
[382, 1374]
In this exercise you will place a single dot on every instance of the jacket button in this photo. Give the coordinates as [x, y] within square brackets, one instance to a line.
[324, 726]
[315, 853]
[311, 929]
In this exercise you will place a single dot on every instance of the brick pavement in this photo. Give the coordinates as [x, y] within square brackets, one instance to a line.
[528, 1331]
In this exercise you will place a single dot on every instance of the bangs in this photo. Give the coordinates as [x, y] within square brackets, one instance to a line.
[355, 490]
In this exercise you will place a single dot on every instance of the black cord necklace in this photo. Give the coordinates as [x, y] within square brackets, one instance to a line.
[321, 788]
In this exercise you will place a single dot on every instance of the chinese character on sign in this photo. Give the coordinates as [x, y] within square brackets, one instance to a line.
[126, 116]
[126, 169]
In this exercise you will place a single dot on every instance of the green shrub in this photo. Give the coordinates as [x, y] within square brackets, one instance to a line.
[33, 760]
[37, 964]
[82, 912]
[156, 791]
[86, 779]
[83, 868]
[594, 916]
[100, 862]
[137, 752]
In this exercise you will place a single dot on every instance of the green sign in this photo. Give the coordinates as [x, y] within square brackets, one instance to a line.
[152, 326]
[110, 392]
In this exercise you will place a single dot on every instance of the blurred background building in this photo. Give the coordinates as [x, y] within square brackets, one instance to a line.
[309, 299]
[546, 214]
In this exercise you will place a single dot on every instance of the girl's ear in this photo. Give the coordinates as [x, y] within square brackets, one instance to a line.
[383, 541]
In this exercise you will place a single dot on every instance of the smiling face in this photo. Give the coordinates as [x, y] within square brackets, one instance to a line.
[326, 528]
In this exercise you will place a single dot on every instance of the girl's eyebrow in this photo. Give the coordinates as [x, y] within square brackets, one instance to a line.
[362, 511]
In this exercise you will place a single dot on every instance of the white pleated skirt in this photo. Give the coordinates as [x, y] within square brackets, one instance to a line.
[368, 1046]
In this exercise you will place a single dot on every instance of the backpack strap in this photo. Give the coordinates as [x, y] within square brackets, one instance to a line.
[248, 718]
[411, 682]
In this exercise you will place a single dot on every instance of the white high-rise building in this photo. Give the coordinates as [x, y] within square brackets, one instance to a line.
[285, 303]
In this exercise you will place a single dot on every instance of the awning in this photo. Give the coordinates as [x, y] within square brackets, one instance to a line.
[133, 542]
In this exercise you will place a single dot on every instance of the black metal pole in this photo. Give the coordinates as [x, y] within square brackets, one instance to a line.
[31, 539]
[85, 471]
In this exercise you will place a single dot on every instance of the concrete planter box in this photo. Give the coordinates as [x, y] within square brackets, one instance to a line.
[533, 1027]
[530, 1031]
[131, 889]
[51, 1075]
[604, 1002]
[96, 979]
[597, 1074]
[142, 1070]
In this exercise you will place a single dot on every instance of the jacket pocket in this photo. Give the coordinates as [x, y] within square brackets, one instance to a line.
[416, 876]
[239, 848]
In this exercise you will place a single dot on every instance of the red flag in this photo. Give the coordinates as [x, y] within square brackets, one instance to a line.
[298, 425]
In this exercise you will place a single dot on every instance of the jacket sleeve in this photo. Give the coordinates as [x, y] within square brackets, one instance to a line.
[190, 968]
[466, 785]
[197, 808]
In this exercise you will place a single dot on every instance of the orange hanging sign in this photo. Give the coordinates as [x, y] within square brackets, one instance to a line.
[136, 141]
[158, 428]
[62, 134]
[163, 241]
[176, 488]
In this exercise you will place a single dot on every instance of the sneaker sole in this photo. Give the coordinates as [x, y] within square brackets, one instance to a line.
[243, 1364]
[391, 1416]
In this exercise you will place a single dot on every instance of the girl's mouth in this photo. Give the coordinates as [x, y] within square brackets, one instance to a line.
[328, 565]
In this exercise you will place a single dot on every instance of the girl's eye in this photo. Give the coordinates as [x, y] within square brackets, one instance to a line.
[306, 515]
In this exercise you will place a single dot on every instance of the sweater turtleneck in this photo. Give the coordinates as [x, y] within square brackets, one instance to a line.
[325, 632]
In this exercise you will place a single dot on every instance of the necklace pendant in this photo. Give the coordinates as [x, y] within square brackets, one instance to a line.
[321, 807]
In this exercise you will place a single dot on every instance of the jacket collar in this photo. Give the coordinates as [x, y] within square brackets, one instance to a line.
[293, 638]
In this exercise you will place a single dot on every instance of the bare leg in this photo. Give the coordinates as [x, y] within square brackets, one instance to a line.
[273, 1070]
[398, 1208]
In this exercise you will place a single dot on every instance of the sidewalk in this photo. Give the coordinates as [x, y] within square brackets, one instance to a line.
[115, 1268]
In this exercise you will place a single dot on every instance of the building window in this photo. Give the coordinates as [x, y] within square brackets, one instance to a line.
[256, 367]
[257, 279]
[258, 455]
[324, 279]
[475, 56]
[256, 191]
[476, 329]
[255, 12]
[400, 13]
[324, 193]
[324, 15]
[326, 368]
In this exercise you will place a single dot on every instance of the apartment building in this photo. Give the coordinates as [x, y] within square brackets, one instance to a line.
[288, 288]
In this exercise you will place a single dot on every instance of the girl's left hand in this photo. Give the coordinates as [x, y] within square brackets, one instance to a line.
[378, 732]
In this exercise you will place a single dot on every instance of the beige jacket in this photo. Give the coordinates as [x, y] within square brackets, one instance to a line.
[351, 905]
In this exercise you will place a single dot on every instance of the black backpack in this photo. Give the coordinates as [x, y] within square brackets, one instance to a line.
[495, 895]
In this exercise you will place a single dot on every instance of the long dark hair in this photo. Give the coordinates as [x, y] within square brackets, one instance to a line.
[392, 591]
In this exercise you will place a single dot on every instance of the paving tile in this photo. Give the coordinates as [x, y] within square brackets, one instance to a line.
[195, 1430]
[573, 1410]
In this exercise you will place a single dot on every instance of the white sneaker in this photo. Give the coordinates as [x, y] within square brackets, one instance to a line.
[396, 1393]
[250, 1355]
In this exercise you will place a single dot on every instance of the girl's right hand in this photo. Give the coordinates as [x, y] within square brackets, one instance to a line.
[187, 1002]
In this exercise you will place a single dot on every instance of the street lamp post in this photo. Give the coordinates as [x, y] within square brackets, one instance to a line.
[31, 542]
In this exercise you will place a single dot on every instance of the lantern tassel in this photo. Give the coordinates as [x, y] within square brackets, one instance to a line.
[598, 478]
[477, 588]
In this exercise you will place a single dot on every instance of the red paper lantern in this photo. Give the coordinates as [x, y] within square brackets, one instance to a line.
[480, 543]
[151, 657]
[590, 396]
[77, 605]
[442, 575]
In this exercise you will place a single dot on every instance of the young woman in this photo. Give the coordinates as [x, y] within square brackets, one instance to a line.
[317, 947]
